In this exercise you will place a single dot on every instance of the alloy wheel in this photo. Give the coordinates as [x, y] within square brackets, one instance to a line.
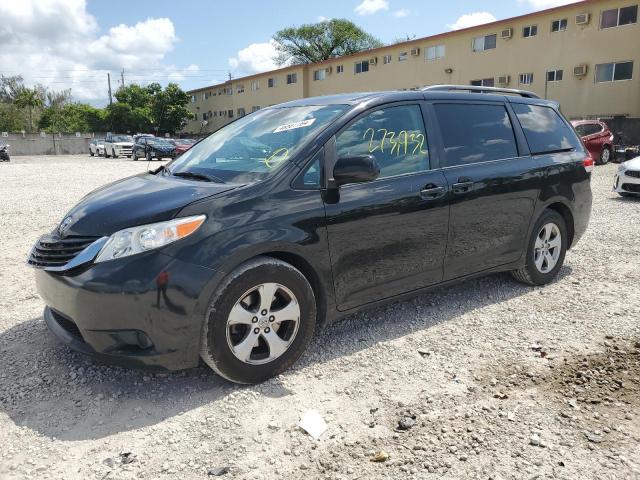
[605, 155]
[263, 323]
[547, 248]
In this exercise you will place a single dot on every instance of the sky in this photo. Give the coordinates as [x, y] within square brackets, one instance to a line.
[74, 43]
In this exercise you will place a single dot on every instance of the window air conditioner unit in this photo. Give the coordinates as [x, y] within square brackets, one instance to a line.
[506, 33]
[373, 60]
[328, 70]
[580, 70]
[415, 52]
[504, 79]
[583, 19]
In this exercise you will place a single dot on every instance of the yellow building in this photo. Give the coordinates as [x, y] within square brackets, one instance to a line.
[585, 55]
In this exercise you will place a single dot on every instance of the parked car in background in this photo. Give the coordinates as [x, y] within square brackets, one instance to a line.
[153, 147]
[623, 151]
[302, 213]
[597, 138]
[96, 147]
[183, 144]
[140, 135]
[118, 145]
[627, 179]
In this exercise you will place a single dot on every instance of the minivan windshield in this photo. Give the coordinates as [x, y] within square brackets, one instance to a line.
[255, 146]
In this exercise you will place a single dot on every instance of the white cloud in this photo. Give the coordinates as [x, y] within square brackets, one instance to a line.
[403, 12]
[471, 20]
[369, 7]
[322, 18]
[56, 43]
[257, 57]
[542, 4]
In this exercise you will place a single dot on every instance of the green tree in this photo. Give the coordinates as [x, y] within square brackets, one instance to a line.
[29, 98]
[11, 118]
[10, 87]
[72, 117]
[169, 111]
[315, 42]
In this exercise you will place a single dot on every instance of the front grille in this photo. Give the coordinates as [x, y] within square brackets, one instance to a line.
[53, 251]
[68, 325]
[631, 187]
[632, 173]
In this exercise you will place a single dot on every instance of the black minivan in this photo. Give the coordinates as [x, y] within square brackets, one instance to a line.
[300, 213]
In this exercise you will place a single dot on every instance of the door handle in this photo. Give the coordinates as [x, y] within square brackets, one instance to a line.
[463, 186]
[431, 192]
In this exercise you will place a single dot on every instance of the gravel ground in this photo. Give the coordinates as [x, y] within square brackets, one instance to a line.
[487, 379]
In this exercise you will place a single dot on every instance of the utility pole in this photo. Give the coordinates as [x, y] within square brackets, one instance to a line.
[229, 75]
[122, 77]
[109, 82]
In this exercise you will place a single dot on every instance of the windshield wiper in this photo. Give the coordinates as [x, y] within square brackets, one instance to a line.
[198, 176]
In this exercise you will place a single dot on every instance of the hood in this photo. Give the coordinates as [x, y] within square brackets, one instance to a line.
[135, 201]
[162, 147]
[633, 164]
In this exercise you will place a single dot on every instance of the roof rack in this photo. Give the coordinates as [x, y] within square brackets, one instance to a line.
[479, 89]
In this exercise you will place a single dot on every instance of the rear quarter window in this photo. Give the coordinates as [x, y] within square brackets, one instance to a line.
[544, 129]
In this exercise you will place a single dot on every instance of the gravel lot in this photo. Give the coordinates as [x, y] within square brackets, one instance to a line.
[488, 379]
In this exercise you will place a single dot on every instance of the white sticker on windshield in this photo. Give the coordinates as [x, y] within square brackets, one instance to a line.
[291, 126]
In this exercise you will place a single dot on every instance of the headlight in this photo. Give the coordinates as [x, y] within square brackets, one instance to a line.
[131, 241]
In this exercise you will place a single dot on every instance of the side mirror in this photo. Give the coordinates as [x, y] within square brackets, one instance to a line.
[356, 169]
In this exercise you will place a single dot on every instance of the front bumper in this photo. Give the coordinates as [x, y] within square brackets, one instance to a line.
[144, 312]
[624, 182]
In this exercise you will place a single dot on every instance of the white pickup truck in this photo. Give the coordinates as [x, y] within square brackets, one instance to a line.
[118, 145]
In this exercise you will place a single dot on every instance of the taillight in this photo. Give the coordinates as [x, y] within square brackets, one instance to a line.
[588, 163]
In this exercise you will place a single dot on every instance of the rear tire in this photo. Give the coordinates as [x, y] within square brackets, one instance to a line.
[91, 153]
[259, 322]
[546, 250]
[106, 155]
[134, 157]
[605, 155]
[113, 154]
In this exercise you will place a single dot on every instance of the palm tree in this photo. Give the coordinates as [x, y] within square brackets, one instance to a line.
[29, 98]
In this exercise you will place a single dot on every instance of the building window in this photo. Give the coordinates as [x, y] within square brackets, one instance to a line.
[559, 25]
[403, 56]
[485, 82]
[255, 108]
[230, 113]
[319, 74]
[230, 90]
[487, 42]
[614, 72]
[386, 59]
[619, 16]
[340, 68]
[435, 52]
[271, 82]
[241, 112]
[193, 99]
[292, 78]
[255, 85]
[526, 78]
[239, 88]
[361, 67]
[530, 31]
[554, 75]
[195, 116]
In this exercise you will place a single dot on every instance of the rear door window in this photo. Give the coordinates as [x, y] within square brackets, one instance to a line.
[474, 133]
[545, 129]
[395, 136]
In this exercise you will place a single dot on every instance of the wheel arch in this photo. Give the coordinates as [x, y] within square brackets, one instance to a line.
[565, 212]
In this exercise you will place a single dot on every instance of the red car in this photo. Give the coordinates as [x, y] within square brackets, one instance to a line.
[183, 144]
[597, 138]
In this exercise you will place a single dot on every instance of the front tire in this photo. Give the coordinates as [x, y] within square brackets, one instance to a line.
[113, 154]
[134, 156]
[91, 153]
[546, 250]
[605, 156]
[259, 322]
